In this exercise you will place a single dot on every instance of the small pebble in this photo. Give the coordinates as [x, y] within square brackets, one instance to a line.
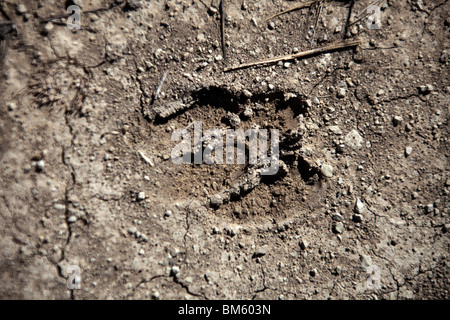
[21, 9]
[337, 217]
[78, 3]
[141, 196]
[326, 170]
[159, 53]
[335, 129]
[233, 119]
[341, 93]
[426, 89]
[429, 208]
[397, 120]
[175, 270]
[304, 244]
[408, 151]
[48, 27]
[59, 207]
[40, 165]
[260, 252]
[248, 112]
[338, 270]
[338, 227]
[155, 295]
[359, 206]
[247, 93]
[11, 106]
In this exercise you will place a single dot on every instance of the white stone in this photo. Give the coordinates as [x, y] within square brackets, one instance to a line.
[327, 170]
[359, 206]
[353, 139]
[335, 129]
[408, 151]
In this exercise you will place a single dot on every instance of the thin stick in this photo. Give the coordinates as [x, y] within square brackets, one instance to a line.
[317, 22]
[330, 48]
[222, 27]
[301, 6]
[146, 159]
[159, 88]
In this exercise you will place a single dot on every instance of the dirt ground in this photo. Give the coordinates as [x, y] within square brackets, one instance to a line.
[359, 211]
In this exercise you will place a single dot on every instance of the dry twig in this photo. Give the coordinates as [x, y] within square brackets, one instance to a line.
[158, 89]
[222, 26]
[330, 48]
[319, 12]
[301, 6]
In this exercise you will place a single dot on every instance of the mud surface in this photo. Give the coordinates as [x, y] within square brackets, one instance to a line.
[87, 179]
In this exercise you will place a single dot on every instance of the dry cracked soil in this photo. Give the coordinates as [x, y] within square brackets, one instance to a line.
[358, 210]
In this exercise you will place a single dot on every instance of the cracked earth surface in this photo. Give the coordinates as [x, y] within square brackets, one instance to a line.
[81, 139]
